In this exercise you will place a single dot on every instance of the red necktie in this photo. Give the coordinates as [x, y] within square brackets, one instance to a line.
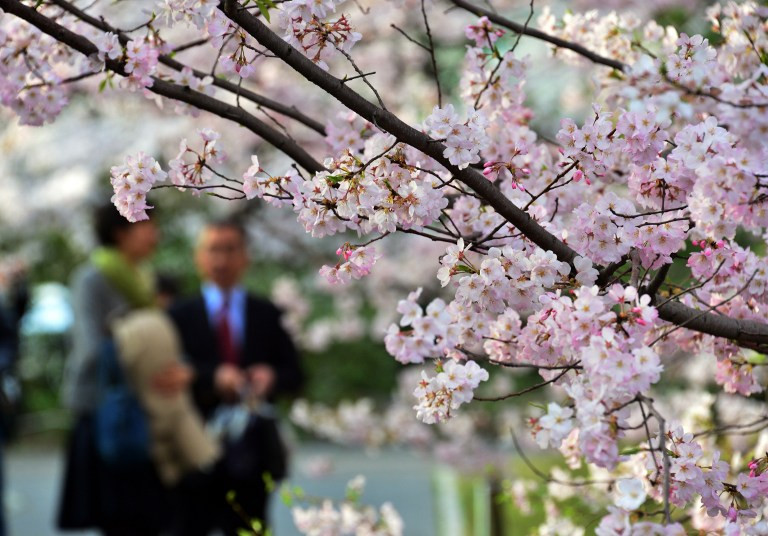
[227, 347]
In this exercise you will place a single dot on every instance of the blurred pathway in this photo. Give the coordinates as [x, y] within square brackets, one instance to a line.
[33, 478]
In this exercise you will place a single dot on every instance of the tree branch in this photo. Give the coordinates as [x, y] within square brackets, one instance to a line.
[395, 126]
[538, 34]
[743, 332]
[168, 61]
[746, 333]
[167, 89]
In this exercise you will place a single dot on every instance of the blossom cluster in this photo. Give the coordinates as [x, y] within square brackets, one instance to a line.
[306, 27]
[375, 191]
[694, 64]
[191, 168]
[357, 262]
[463, 140]
[131, 183]
[600, 146]
[453, 386]
[141, 57]
[553, 427]
[349, 517]
[194, 12]
[742, 25]
[669, 172]
[695, 473]
[274, 190]
[29, 78]
[493, 80]
[358, 423]
[609, 35]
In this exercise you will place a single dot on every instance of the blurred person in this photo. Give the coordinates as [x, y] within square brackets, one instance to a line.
[167, 290]
[149, 349]
[237, 347]
[117, 500]
[184, 454]
[12, 308]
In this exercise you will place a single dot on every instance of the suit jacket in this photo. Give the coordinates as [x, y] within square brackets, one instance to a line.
[265, 341]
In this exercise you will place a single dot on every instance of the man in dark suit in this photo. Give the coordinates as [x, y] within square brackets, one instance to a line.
[236, 345]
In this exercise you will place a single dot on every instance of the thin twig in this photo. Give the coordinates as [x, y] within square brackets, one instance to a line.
[524, 391]
[431, 51]
[541, 474]
[361, 73]
[409, 38]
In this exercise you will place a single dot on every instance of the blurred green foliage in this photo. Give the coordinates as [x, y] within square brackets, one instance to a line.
[487, 505]
[350, 370]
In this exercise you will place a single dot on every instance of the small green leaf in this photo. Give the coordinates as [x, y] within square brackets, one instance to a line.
[102, 85]
[244, 532]
[264, 6]
[755, 358]
[269, 482]
[231, 496]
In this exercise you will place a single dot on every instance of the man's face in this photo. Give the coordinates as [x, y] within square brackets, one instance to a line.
[221, 256]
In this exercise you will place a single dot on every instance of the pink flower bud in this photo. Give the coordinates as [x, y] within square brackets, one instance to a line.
[488, 164]
[708, 252]
[720, 244]
[578, 175]
[732, 514]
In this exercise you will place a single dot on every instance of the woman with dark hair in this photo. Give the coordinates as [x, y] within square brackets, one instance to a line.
[119, 501]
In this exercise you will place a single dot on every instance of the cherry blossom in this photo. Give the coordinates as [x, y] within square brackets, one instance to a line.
[611, 263]
[131, 183]
[630, 494]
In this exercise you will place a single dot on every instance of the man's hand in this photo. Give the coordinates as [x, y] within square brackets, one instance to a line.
[261, 378]
[229, 381]
[173, 379]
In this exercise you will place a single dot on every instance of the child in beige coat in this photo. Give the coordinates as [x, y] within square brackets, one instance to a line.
[147, 345]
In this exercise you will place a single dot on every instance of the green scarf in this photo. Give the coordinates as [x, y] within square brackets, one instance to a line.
[134, 284]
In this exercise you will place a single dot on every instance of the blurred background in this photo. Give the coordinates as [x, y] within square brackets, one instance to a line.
[355, 416]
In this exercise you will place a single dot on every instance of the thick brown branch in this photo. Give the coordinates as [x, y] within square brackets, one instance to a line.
[395, 126]
[746, 333]
[538, 34]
